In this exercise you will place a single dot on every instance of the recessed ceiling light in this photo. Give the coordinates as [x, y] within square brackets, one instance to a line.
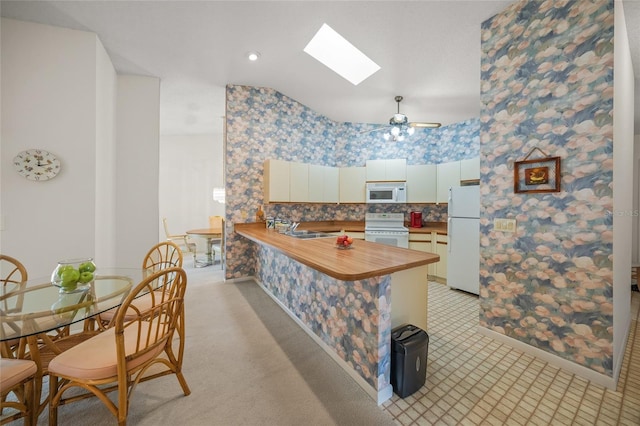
[253, 56]
[334, 51]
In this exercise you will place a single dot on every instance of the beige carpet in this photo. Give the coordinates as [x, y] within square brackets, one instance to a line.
[247, 363]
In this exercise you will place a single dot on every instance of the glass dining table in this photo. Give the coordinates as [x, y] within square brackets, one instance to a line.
[39, 320]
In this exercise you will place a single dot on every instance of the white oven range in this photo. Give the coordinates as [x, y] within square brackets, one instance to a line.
[386, 228]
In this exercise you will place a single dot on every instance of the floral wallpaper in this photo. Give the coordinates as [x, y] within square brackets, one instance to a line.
[352, 317]
[547, 83]
[263, 123]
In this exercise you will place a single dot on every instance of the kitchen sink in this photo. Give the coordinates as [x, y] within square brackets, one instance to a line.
[307, 235]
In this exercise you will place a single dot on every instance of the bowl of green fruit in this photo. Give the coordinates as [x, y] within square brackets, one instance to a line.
[74, 274]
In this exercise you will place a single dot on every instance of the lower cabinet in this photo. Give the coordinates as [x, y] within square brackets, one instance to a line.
[432, 243]
[441, 250]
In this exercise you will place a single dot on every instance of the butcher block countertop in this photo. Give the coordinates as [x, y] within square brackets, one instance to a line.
[363, 260]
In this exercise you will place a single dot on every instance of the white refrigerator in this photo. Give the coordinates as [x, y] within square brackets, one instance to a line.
[463, 256]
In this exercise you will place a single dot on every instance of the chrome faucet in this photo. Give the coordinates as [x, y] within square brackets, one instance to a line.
[294, 226]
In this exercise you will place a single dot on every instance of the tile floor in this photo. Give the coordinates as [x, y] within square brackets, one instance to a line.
[475, 380]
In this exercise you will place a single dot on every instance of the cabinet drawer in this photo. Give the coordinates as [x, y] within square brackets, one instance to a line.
[420, 237]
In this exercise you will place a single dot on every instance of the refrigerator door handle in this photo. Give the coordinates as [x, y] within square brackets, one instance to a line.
[449, 232]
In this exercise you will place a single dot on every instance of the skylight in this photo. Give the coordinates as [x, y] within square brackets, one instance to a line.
[342, 57]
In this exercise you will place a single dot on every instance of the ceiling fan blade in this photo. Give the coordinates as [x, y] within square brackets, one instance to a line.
[425, 125]
[363, 132]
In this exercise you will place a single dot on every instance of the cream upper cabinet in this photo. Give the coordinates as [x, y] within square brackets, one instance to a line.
[448, 175]
[421, 183]
[470, 169]
[387, 170]
[298, 182]
[331, 188]
[323, 184]
[396, 169]
[276, 181]
[376, 169]
[352, 184]
[316, 183]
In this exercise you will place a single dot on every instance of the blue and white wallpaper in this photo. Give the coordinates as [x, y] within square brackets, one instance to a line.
[547, 83]
[263, 123]
[352, 317]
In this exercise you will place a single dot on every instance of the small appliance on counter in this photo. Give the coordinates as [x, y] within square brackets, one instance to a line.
[416, 220]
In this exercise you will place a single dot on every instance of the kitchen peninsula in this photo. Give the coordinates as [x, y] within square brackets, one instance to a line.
[346, 300]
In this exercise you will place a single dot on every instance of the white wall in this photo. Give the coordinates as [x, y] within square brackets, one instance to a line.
[49, 102]
[190, 167]
[138, 112]
[623, 81]
[635, 253]
[60, 93]
[105, 160]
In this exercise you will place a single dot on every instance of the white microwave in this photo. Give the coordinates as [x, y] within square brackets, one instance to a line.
[386, 192]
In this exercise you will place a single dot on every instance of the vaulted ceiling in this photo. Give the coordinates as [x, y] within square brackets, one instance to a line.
[429, 52]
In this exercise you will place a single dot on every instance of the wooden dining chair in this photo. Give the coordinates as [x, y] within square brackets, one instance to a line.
[13, 277]
[181, 240]
[161, 256]
[217, 244]
[17, 378]
[119, 358]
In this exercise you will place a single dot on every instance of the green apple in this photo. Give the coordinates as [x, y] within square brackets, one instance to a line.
[87, 267]
[85, 277]
[64, 268]
[70, 278]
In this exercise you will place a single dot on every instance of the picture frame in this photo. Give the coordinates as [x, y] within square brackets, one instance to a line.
[537, 175]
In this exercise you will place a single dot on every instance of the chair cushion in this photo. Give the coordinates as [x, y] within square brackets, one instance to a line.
[96, 358]
[14, 371]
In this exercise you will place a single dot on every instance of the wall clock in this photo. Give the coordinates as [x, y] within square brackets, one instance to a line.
[37, 164]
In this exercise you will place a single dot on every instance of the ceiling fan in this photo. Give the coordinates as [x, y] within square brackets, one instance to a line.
[399, 125]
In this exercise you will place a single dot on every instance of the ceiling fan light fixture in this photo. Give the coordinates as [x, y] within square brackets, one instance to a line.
[398, 119]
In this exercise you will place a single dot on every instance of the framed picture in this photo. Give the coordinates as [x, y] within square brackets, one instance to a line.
[538, 175]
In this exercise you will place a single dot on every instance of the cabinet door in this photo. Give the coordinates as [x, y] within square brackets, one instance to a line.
[376, 170]
[276, 181]
[441, 250]
[316, 185]
[421, 183]
[331, 184]
[470, 169]
[423, 242]
[352, 184]
[396, 169]
[298, 182]
[448, 175]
